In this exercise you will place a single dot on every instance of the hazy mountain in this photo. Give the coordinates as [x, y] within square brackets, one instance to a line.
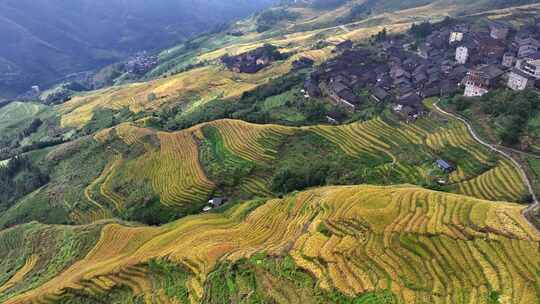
[43, 40]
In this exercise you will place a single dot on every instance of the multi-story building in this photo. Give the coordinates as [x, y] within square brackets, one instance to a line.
[476, 84]
[519, 81]
[527, 46]
[531, 68]
[456, 37]
[462, 54]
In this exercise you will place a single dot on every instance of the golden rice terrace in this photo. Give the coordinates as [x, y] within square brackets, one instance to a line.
[396, 244]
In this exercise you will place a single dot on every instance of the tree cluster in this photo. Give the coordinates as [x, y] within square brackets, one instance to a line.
[510, 111]
[18, 178]
[248, 108]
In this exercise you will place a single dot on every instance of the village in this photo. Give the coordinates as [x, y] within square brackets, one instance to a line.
[431, 60]
[452, 58]
[253, 61]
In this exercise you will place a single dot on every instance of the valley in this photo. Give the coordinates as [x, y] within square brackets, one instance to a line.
[45, 42]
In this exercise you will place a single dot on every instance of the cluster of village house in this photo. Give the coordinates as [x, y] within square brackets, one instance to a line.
[474, 58]
[253, 61]
[141, 63]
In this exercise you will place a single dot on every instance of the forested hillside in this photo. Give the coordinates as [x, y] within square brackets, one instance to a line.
[42, 41]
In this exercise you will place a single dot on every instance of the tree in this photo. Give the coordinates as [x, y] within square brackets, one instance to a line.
[381, 36]
[421, 30]
[151, 97]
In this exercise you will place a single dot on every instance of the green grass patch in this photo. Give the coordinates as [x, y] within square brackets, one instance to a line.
[170, 277]
[246, 282]
[57, 247]
[223, 167]
[534, 164]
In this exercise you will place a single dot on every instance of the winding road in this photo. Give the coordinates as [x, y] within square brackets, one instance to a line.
[531, 208]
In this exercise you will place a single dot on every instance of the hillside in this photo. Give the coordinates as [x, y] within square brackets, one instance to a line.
[44, 41]
[416, 245]
[154, 177]
[158, 150]
[258, 164]
[191, 75]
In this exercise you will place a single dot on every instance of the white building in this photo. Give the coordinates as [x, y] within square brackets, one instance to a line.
[475, 84]
[462, 54]
[519, 81]
[472, 90]
[456, 37]
[531, 68]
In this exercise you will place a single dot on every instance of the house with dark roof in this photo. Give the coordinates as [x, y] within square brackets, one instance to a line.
[412, 100]
[425, 51]
[527, 46]
[348, 97]
[448, 87]
[491, 50]
[338, 87]
[253, 61]
[445, 166]
[420, 77]
[302, 62]
[498, 30]
[214, 203]
[431, 90]
[458, 73]
[490, 72]
[217, 201]
[345, 45]
[379, 93]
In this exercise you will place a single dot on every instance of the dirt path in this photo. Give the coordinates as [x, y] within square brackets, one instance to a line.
[527, 212]
[344, 28]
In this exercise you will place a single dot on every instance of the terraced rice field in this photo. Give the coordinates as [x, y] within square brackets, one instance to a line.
[246, 139]
[456, 137]
[421, 245]
[378, 138]
[170, 162]
[501, 183]
[20, 274]
[374, 137]
[17, 112]
[194, 88]
[176, 174]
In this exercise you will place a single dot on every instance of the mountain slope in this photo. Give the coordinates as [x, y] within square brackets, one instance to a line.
[153, 153]
[154, 177]
[403, 244]
[44, 40]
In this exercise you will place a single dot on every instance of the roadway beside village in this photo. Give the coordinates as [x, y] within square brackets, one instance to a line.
[528, 212]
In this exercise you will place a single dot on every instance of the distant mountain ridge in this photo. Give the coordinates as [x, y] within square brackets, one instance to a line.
[43, 40]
